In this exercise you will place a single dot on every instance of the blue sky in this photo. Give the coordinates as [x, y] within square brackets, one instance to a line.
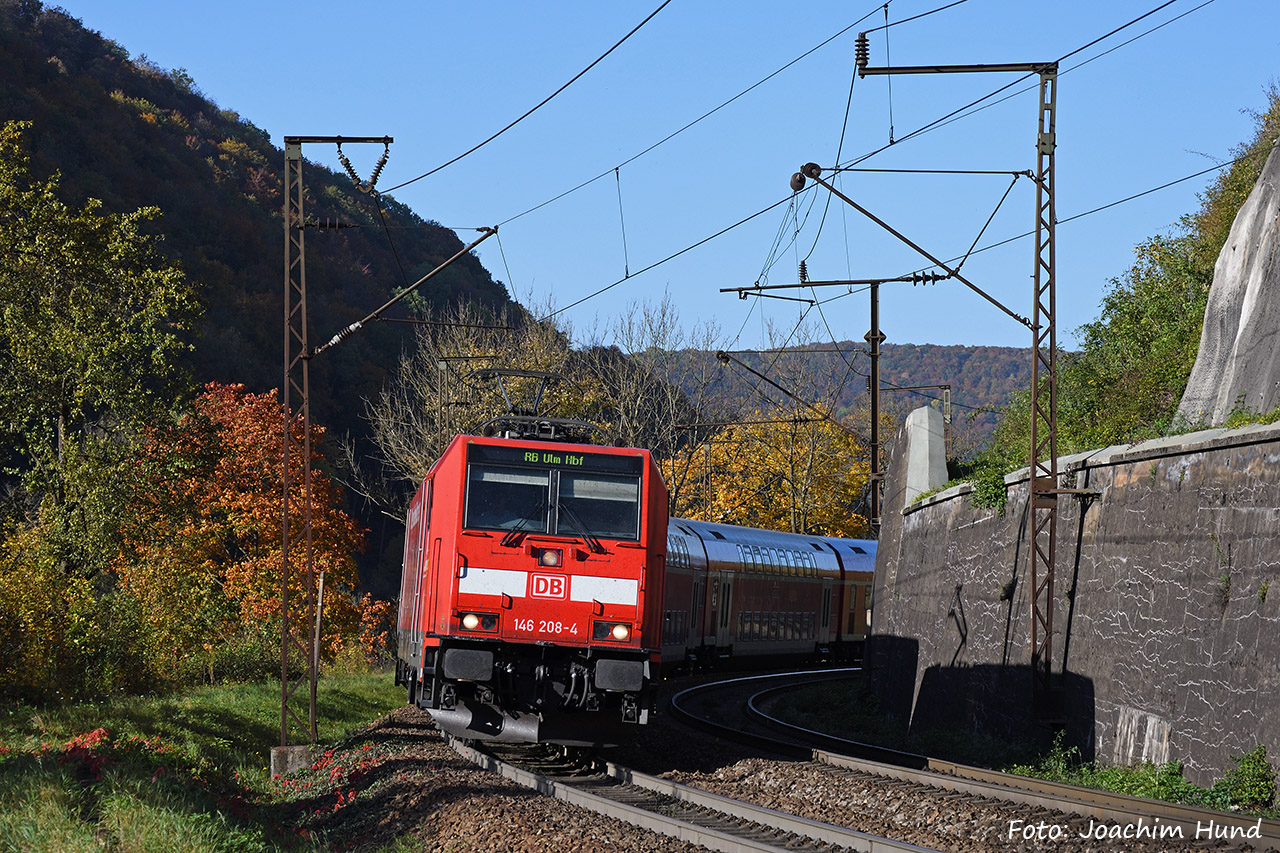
[442, 77]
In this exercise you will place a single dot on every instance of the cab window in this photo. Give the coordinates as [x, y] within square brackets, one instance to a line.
[507, 498]
[604, 505]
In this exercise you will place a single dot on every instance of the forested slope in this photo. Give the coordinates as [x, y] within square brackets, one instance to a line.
[127, 132]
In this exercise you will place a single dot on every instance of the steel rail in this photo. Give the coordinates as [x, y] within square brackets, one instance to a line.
[678, 709]
[699, 817]
[978, 781]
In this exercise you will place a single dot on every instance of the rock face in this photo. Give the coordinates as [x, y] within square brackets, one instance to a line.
[1238, 366]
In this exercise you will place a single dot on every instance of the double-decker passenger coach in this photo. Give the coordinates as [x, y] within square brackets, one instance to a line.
[531, 599]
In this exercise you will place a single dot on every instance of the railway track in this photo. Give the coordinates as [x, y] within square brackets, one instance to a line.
[1048, 811]
[710, 820]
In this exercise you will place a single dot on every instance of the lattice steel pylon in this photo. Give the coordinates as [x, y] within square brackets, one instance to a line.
[298, 618]
[294, 631]
[1042, 511]
[1042, 481]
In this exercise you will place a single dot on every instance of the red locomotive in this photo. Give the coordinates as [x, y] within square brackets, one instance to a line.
[530, 604]
[544, 592]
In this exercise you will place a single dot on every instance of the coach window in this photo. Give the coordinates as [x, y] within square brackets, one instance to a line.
[606, 505]
[507, 498]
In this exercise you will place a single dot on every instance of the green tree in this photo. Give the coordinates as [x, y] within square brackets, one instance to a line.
[91, 319]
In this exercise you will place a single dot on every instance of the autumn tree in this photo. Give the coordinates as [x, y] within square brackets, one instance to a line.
[92, 321]
[788, 458]
[795, 472]
[205, 540]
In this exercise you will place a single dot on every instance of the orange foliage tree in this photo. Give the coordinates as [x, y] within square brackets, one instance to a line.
[203, 554]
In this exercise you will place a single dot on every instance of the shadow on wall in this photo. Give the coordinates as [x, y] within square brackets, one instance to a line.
[993, 699]
[996, 700]
[891, 663]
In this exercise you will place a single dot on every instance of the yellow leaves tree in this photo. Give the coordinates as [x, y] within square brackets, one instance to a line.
[794, 472]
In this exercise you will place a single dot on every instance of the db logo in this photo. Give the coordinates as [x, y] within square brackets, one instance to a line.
[548, 586]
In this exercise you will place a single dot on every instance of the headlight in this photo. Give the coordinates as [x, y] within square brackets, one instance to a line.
[479, 622]
[618, 632]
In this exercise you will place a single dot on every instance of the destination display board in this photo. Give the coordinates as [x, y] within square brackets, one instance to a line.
[558, 459]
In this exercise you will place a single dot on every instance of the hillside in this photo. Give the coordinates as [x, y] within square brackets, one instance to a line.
[132, 134]
[982, 380]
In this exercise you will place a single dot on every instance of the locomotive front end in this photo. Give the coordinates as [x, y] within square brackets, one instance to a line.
[545, 605]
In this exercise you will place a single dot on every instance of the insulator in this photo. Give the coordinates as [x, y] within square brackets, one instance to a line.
[804, 271]
[346, 164]
[861, 53]
[377, 170]
[344, 334]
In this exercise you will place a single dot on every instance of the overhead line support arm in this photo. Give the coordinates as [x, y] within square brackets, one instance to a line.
[726, 358]
[814, 171]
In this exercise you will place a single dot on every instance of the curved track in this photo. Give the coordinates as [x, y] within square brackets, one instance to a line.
[723, 708]
[1089, 806]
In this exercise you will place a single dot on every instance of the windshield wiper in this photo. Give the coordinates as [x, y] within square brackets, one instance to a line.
[513, 535]
[592, 542]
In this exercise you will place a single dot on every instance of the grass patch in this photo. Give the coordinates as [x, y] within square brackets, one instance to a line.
[936, 490]
[180, 772]
[1250, 785]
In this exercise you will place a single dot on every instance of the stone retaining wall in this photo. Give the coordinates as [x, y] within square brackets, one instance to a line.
[1166, 629]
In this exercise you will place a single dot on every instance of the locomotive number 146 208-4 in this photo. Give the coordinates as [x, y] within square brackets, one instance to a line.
[546, 626]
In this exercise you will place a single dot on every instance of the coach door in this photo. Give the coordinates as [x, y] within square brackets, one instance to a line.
[824, 614]
[724, 631]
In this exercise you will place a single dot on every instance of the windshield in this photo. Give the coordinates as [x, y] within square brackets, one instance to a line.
[565, 503]
[507, 498]
[604, 505]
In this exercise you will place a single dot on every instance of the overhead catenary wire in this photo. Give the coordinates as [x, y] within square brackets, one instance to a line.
[537, 106]
[1065, 56]
[939, 121]
[957, 114]
[777, 204]
[696, 121]
[1078, 65]
[670, 257]
[505, 265]
[771, 207]
[925, 128]
[887, 25]
[1006, 241]
[622, 221]
[889, 79]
